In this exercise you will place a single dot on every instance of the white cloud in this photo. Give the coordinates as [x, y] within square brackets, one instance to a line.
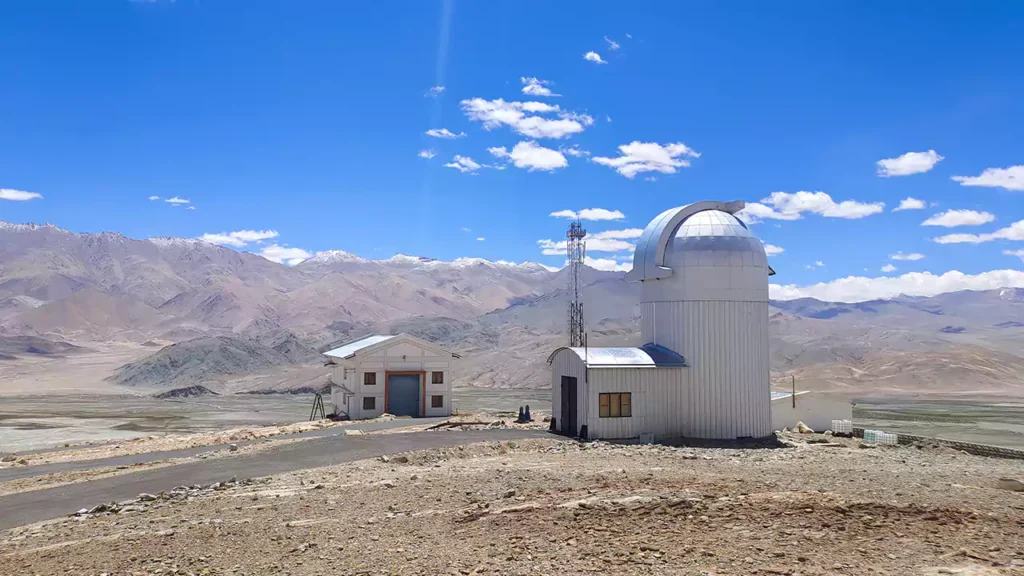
[481, 239]
[444, 133]
[607, 118]
[1017, 253]
[1014, 231]
[557, 247]
[465, 229]
[888, 268]
[612, 44]
[284, 254]
[630, 36]
[819, 264]
[522, 117]
[619, 234]
[428, 154]
[859, 289]
[1011, 178]
[786, 206]
[531, 156]
[239, 238]
[153, 198]
[18, 195]
[912, 257]
[637, 157]
[773, 250]
[464, 164]
[909, 163]
[175, 200]
[536, 87]
[590, 214]
[434, 91]
[574, 151]
[607, 264]
[650, 179]
[190, 208]
[594, 57]
[954, 218]
[909, 204]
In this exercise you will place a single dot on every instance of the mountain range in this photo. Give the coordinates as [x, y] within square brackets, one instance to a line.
[189, 312]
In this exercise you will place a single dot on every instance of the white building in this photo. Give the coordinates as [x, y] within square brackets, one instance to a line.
[815, 410]
[704, 314]
[401, 375]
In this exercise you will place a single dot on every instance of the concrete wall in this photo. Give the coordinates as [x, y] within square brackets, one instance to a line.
[815, 410]
[399, 356]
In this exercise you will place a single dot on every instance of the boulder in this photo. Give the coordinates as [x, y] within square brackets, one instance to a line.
[1012, 484]
[803, 428]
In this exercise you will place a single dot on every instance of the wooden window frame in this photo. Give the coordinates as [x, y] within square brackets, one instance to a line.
[438, 397]
[434, 377]
[369, 376]
[615, 405]
[373, 401]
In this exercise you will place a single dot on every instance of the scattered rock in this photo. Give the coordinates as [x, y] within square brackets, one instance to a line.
[233, 447]
[509, 493]
[145, 497]
[387, 484]
[865, 445]
[803, 428]
[1012, 484]
[9, 458]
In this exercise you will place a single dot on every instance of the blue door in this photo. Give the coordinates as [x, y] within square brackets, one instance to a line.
[404, 394]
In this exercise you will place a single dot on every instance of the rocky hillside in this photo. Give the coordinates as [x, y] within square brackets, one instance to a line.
[242, 322]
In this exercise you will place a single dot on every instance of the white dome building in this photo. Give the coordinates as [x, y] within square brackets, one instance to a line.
[703, 372]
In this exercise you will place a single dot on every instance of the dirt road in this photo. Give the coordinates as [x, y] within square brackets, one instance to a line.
[26, 507]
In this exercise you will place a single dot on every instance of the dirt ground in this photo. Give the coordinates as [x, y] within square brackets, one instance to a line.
[176, 442]
[559, 507]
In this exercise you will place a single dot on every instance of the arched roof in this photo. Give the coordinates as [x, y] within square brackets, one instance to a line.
[649, 257]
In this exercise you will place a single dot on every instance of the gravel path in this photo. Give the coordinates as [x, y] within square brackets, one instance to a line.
[557, 507]
[27, 507]
[14, 473]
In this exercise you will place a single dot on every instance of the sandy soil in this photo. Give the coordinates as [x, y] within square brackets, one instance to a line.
[72, 374]
[178, 441]
[558, 507]
[74, 476]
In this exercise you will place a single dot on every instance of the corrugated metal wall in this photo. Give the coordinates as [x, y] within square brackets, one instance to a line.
[568, 363]
[657, 398]
[725, 345]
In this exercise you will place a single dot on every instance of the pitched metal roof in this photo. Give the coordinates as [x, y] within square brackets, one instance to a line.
[646, 356]
[348, 350]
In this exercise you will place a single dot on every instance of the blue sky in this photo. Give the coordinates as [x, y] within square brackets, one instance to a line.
[307, 119]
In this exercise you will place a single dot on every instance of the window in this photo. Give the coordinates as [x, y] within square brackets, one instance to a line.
[369, 378]
[437, 377]
[615, 405]
[369, 403]
[437, 401]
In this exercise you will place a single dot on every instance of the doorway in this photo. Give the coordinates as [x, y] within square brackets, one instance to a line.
[403, 394]
[569, 427]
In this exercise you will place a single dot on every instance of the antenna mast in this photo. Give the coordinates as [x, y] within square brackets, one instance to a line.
[576, 250]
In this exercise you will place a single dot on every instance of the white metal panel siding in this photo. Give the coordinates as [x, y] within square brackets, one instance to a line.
[725, 345]
[567, 363]
[659, 398]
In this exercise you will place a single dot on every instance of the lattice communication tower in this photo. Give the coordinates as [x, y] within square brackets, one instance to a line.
[576, 249]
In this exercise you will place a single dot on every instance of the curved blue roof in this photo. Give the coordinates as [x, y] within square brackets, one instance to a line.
[647, 356]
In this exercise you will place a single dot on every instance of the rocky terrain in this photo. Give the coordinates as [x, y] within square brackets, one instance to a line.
[821, 506]
[166, 313]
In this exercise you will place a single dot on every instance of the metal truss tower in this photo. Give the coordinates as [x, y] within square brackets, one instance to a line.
[576, 250]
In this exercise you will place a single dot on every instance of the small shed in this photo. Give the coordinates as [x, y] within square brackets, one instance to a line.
[618, 392]
[815, 410]
[398, 374]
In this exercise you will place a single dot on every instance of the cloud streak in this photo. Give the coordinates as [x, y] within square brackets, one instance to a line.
[18, 195]
[637, 157]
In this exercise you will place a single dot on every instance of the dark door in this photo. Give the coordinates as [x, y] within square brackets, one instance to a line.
[403, 394]
[569, 424]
